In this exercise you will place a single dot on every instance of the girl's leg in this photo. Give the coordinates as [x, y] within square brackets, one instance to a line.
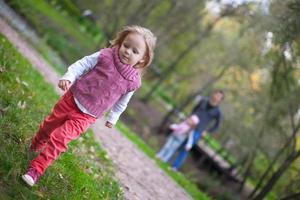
[172, 149]
[183, 153]
[57, 117]
[77, 123]
[161, 154]
[180, 159]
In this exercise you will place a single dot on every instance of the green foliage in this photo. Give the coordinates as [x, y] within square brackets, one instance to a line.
[285, 22]
[25, 99]
[73, 11]
[68, 36]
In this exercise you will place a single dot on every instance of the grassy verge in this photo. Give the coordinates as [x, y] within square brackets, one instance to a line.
[189, 186]
[69, 37]
[84, 172]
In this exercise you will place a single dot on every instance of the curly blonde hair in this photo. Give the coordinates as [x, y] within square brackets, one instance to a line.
[148, 36]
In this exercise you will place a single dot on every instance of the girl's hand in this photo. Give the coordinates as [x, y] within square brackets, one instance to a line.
[108, 124]
[64, 84]
[187, 147]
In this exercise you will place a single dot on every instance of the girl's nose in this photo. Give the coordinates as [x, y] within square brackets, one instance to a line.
[127, 51]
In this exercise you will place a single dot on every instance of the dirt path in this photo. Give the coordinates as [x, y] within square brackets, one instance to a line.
[140, 177]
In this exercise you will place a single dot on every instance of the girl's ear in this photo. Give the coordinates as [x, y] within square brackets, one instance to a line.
[140, 64]
[142, 61]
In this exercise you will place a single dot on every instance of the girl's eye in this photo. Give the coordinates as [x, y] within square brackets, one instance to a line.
[126, 45]
[135, 52]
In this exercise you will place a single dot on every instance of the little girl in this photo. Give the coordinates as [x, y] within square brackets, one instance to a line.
[106, 79]
[180, 132]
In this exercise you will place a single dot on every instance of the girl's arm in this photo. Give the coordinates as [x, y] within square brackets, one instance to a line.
[80, 67]
[190, 141]
[118, 108]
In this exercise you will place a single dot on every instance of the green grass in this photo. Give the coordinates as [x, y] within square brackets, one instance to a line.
[178, 177]
[84, 172]
[70, 38]
[61, 27]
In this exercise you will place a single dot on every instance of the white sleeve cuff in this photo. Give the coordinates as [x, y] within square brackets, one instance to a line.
[190, 141]
[119, 107]
[112, 117]
[69, 77]
[81, 66]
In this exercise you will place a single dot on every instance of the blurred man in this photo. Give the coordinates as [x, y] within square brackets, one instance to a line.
[208, 112]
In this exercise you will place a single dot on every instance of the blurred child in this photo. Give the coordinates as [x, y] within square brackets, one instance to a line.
[180, 132]
[106, 79]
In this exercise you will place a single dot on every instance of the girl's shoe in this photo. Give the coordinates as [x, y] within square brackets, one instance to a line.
[174, 169]
[31, 177]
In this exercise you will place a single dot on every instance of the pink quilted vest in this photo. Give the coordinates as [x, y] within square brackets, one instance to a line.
[99, 89]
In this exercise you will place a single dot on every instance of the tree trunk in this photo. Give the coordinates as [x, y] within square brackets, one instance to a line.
[142, 12]
[275, 177]
[173, 65]
[229, 11]
[264, 176]
[167, 36]
[291, 196]
[188, 100]
[247, 171]
[170, 69]
[286, 145]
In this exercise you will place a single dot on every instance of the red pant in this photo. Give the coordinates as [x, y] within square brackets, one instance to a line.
[64, 124]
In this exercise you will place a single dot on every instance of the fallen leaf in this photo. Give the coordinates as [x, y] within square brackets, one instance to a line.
[18, 80]
[22, 104]
[24, 83]
[92, 149]
[2, 69]
[60, 176]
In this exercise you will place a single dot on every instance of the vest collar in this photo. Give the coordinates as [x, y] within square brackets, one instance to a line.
[127, 71]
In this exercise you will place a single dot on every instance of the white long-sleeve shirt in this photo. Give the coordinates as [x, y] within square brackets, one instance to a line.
[81, 67]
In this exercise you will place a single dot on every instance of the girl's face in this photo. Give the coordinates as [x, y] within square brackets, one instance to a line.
[133, 49]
